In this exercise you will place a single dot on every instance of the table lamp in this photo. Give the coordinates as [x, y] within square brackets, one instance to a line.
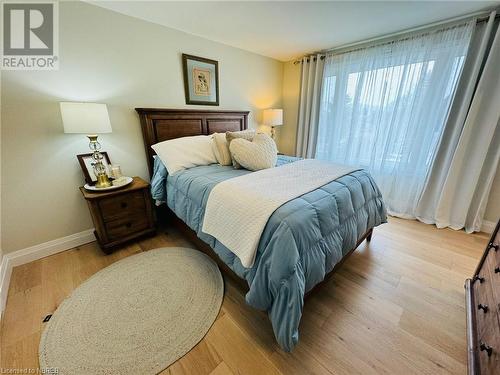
[90, 119]
[272, 118]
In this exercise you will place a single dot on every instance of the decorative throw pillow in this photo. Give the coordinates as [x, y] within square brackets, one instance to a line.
[260, 153]
[244, 134]
[221, 149]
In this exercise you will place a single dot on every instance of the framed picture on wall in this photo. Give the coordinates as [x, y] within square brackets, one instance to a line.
[87, 164]
[201, 80]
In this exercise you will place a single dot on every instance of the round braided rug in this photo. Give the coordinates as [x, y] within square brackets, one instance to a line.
[137, 316]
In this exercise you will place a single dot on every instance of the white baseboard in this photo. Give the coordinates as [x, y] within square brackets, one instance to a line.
[29, 254]
[5, 272]
[488, 226]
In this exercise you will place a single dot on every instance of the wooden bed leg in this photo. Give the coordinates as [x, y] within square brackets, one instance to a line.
[369, 237]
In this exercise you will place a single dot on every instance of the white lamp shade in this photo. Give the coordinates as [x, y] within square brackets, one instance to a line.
[273, 117]
[85, 118]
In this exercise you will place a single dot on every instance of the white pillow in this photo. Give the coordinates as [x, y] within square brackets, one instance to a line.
[186, 152]
[221, 149]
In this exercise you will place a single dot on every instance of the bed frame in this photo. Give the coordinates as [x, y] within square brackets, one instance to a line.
[163, 124]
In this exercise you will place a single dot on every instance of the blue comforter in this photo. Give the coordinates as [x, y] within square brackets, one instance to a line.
[302, 241]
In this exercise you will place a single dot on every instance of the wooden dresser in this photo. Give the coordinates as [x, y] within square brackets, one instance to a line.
[482, 296]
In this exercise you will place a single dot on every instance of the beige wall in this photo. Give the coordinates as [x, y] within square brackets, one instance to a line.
[291, 92]
[1, 252]
[109, 58]
[288, 133]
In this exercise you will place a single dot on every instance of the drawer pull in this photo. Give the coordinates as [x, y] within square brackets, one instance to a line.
[487, 348]
[483, 307]
[128, 225]
[491, 245]
[124, 205]
[477, 277]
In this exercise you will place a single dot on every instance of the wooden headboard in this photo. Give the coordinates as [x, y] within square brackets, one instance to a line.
[162, 124]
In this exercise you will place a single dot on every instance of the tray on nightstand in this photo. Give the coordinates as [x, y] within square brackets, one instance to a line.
[127, 181]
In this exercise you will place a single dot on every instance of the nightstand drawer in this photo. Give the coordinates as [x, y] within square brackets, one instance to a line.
[121, 215]
[122, 206]
[123, 227]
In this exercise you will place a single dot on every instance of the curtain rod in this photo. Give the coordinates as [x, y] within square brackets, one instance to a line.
[481, 16]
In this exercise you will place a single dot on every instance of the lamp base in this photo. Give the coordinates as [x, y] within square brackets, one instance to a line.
[102, 181]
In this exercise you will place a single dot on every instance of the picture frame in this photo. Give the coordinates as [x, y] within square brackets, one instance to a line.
[86, 161]
[201, 80]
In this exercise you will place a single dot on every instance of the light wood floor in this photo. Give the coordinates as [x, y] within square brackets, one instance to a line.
[396, 306]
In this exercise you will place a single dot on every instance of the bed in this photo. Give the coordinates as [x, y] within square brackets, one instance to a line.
[303, 242]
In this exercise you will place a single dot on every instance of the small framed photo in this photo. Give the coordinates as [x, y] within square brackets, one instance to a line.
[87, 164]
[201, 80]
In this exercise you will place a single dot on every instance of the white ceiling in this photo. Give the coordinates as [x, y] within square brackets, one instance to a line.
[285, 30]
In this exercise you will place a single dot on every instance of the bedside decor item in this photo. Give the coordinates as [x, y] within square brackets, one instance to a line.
[136, 316]
[201, 80]
[87, 164]
[119, 179]
[115, 184]
[260, 153]
[272, 118]
[115, 171]
[121, 214]
[91, 119]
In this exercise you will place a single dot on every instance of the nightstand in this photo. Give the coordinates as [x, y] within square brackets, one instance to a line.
[121, 215]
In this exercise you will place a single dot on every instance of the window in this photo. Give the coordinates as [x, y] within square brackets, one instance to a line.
[384, 108]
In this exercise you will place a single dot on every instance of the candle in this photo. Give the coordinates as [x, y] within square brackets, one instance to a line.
[116, 171]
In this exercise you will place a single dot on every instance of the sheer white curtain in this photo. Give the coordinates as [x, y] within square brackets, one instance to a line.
[383, 107]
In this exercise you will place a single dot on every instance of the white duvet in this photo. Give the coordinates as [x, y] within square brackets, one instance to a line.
[238, 209]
